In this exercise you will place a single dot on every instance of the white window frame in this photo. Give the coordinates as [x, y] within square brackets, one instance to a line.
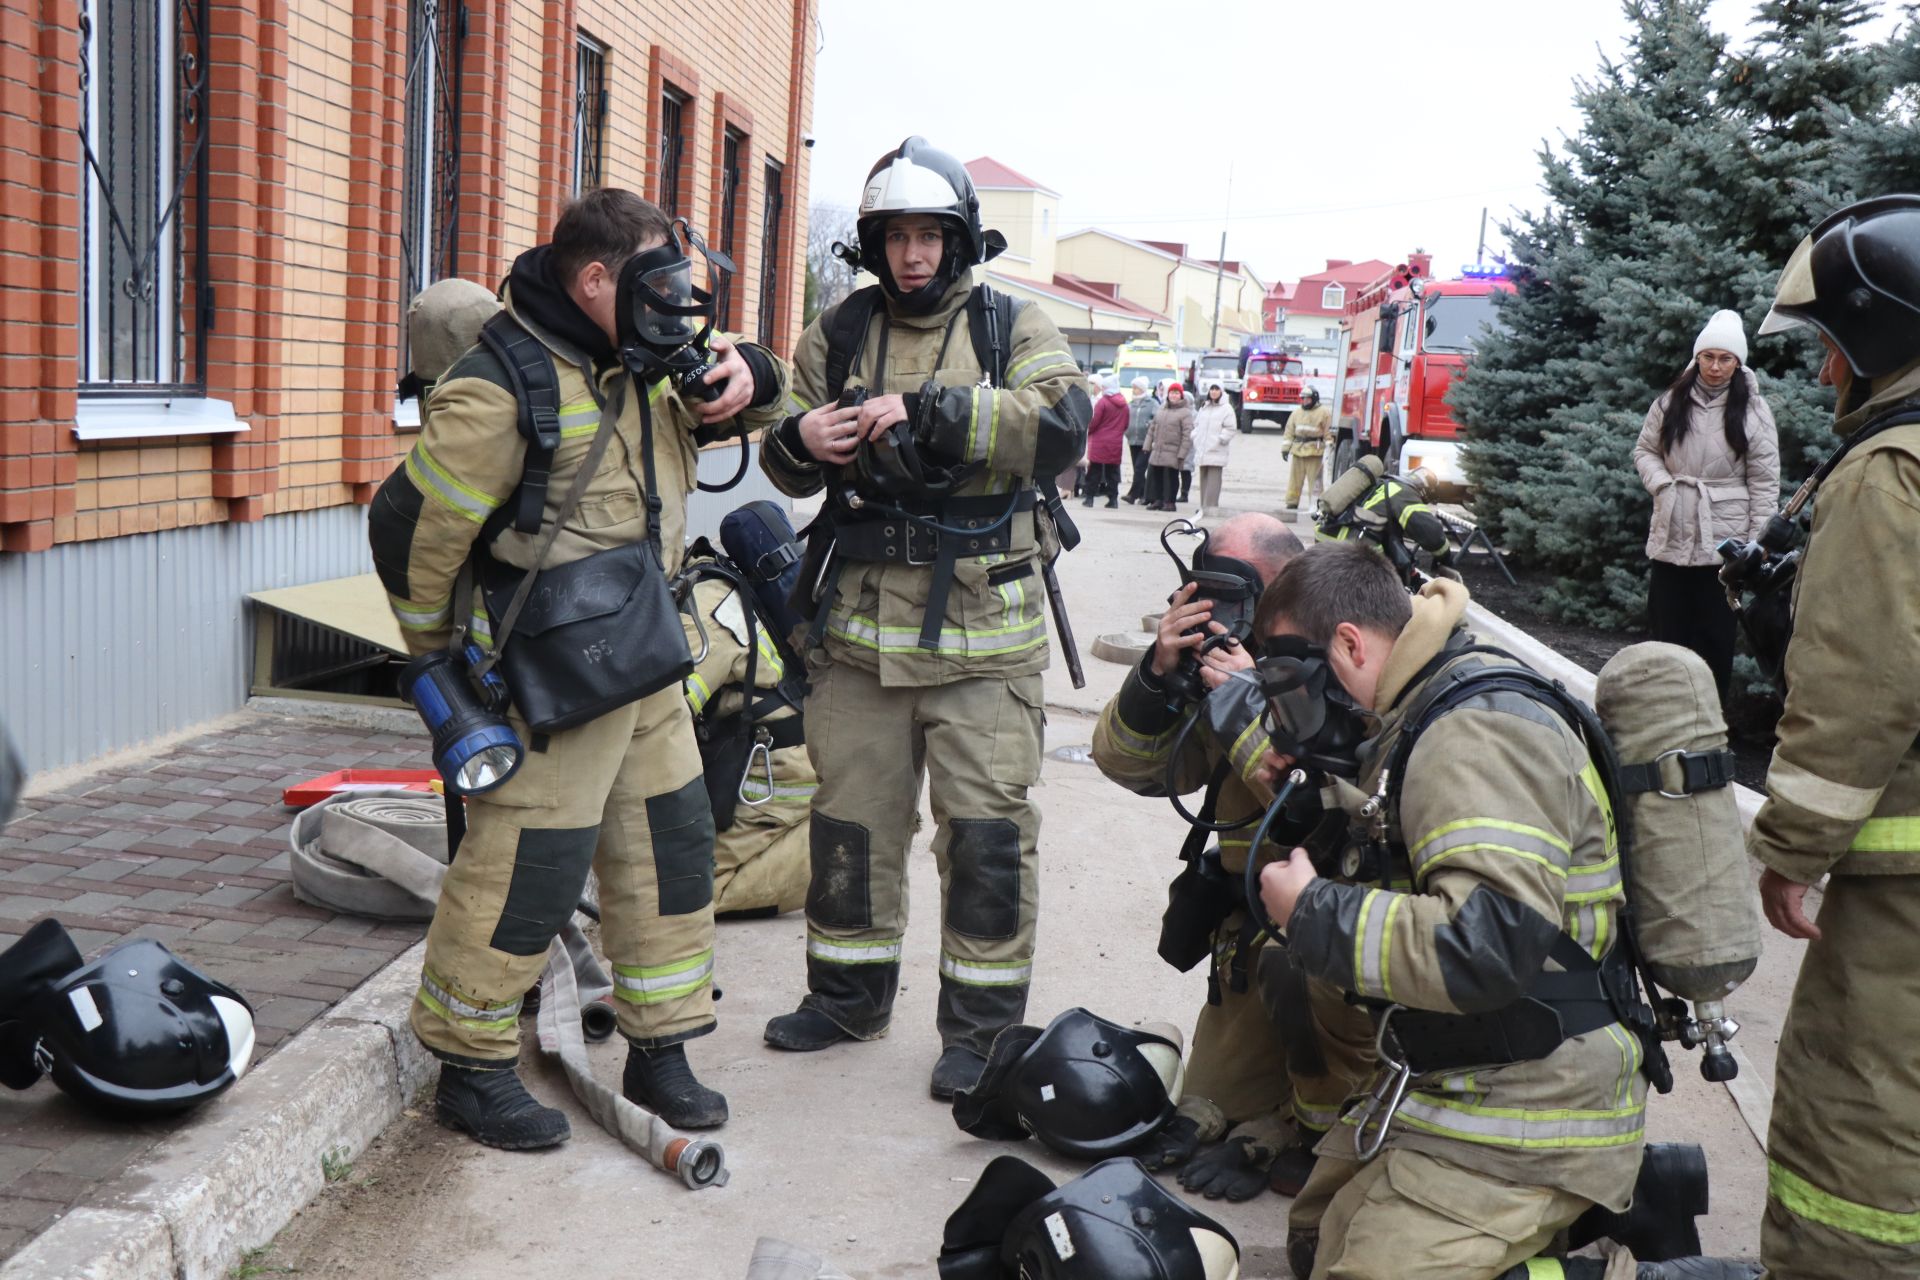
[1333, 297]
[585, 44]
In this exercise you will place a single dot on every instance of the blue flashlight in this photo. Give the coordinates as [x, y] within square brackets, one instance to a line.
[474, 747]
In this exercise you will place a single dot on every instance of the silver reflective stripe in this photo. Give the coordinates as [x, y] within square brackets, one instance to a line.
[662, 982]
[1139, 745]
[753, 789]
[953, 642]
[1595, 882]
[1034, 367]
[1510, 838]
[1520, 1128]
[977, 973]
[463, 1009]
[481, 630]
[420, 619]
[842, 951]
[430, 477]
[1248, 749]
[986, 410]
[1820, 795]
[1377, 910]
[581, 418]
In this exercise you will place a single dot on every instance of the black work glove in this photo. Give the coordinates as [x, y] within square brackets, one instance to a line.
[1172, 1144]
[1233, 1170]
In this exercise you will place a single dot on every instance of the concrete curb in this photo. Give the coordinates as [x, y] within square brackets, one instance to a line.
[240, 1171]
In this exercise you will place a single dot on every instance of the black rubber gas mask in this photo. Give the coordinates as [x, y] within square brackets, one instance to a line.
[1310, 715]
[664, 319]
[1232, 584]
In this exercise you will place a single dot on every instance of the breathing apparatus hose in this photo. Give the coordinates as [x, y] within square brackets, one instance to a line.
[1173, 792]
[1255, 906]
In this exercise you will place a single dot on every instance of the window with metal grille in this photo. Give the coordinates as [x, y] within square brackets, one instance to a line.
[770, 254]
[146, 306]
[733, 145]
[589, 112]
[673, 145]
[430, 186]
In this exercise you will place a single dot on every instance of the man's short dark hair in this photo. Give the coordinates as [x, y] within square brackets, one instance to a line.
[607, 224]
[1330, 583]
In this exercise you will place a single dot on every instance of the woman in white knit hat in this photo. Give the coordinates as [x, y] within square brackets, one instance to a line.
[1710, 456]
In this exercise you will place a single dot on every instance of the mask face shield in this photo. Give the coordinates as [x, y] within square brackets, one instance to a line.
[659, 308]
[1310, 716]
[1233, 585]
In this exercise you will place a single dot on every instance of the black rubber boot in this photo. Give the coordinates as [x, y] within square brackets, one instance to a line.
[805, 1030]
[496, 1109]
[661, 1080]
[958, 1068]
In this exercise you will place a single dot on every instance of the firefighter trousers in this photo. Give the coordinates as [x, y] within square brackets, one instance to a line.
[1287, 1043]
[760, 862]
[1305, 473]
[1843, 1150]
[623, 796]
[1407, 1215]
[977, 743]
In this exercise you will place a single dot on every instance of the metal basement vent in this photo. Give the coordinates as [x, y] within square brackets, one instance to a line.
[333, 641]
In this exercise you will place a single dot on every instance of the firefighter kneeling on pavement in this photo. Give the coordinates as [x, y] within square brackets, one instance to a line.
[1505, 838]
[620, 794]
[924, 579]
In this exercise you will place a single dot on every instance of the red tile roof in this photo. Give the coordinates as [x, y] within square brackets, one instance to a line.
[1080, 292]
[1352, 276]
[988, 172]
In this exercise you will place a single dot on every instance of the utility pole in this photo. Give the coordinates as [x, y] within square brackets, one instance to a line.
[1480, 254]
[1220, 264]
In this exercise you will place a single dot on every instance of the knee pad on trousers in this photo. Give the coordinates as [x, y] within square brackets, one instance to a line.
[681, 825]
[840, 895]
[1283, 989]
[983, 895]
[550, 868]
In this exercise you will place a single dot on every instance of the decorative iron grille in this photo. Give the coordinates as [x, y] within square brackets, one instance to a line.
[730, 144]
[430, 186]
[673, 145]
[775, 208]
[146, 306]
[589, 113]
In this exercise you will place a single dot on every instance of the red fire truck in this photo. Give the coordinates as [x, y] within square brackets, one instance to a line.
[1405, 338]
[1275, 384]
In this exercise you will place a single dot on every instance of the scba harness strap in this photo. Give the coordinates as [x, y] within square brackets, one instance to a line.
[1584, 994]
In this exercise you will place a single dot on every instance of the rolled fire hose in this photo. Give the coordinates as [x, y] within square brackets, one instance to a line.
[388, 839]
[778, 1260]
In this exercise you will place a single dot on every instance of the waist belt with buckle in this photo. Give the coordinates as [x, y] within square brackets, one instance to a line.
[975, 526]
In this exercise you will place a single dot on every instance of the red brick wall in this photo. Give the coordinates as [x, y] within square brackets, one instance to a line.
[305, 157]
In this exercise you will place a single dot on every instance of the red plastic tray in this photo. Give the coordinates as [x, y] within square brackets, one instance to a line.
[314, 790]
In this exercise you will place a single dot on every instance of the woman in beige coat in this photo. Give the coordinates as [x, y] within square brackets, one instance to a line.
[1709, 454]
[1169, 440]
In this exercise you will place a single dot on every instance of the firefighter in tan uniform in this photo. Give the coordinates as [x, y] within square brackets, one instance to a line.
[929, 613]
[1510, 853]
[621, 794]
[1305, 441]
[760, 863]
[1274, 1056]
[1843, 796]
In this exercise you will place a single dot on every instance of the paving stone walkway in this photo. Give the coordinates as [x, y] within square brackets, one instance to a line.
[190, 849]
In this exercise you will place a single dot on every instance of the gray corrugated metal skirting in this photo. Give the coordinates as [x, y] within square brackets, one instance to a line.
[107, 644]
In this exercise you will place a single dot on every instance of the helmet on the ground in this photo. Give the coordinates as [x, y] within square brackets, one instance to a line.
[137, 1031]
[1114, 1222]
[1857, 280]
[1084, 1086]
[917, 178]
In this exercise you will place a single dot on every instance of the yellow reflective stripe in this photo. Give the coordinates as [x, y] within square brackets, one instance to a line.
[1245, 752]
[438, 995]
[1515, 828]
[581, 418]
[1590, 777]
[428, 475]
[797, 403]
[986, 973]
[1887, 835]
[697, 691]
[869, 634]
[1386, 947]
[1545, 1269]
[422, 619]
[1131, 742]
[1521, 1129]
[1056, 358]
[993, 426]
[639, 984]
[854, 951]
[976, 440]
[1803, 1199]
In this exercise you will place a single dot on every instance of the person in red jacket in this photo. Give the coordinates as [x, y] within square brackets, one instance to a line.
[1106, 442]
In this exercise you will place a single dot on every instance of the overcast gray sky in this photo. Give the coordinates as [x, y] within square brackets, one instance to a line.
[1357, 128]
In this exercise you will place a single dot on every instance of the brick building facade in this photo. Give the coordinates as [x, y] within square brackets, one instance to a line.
[212, 213]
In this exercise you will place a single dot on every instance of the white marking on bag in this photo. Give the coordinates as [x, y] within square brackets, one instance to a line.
[1062, 1241]
[85, 1008]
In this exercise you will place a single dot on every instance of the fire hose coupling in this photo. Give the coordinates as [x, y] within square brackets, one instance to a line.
[700, 1162]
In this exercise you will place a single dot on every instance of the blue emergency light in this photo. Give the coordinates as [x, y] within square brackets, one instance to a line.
[1484, 271]
[474, 747]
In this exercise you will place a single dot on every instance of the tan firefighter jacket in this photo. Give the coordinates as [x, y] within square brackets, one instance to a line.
[760, 860]
[468, 460]
[1509, 841]
[995, 621]
[1844, 786]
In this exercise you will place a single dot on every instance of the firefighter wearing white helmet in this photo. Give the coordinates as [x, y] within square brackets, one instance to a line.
[1843, 792]
[923, 581]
